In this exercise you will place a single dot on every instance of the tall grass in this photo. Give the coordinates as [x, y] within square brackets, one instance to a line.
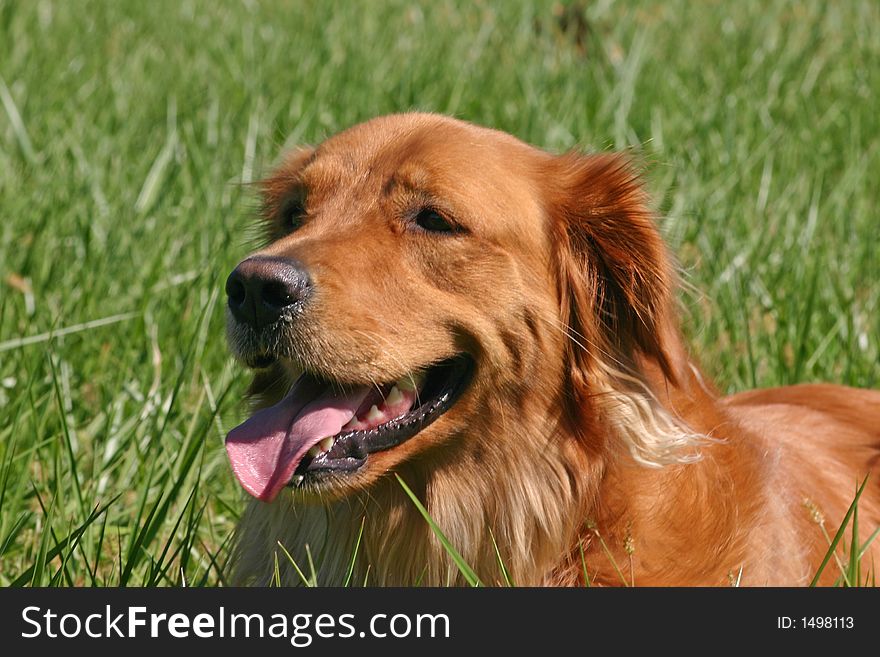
[128, 128]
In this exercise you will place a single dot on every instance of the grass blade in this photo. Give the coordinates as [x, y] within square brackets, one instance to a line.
[15, 120]
[504, 573]
[355, 553]
[466, 571]
[68, 443]
[587, 582]
[839, 533]
[293, 563]
[67, 330]
[862, 551]
[854, 574]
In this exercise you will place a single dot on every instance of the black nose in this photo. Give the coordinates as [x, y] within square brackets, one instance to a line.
[262, 288]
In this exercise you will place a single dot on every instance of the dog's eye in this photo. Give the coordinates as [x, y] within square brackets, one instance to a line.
[432, 221]
[292, 215]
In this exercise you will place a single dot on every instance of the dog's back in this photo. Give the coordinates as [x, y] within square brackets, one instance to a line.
[818, 440]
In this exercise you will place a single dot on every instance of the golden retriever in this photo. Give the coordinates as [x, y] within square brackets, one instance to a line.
[497, 326]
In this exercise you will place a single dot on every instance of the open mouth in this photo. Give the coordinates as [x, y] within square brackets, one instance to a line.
[322, 427]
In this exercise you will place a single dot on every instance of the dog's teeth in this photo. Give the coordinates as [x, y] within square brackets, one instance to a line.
[314, 451]
[326, 444]
[394, 397]
[375, 415]
[297, 479]
[411, 383]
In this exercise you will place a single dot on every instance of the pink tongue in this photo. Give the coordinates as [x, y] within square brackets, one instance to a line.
[266, 449]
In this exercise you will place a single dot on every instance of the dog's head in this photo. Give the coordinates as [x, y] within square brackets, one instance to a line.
[427, 282]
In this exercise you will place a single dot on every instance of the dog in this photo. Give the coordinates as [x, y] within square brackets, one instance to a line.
[442, 306]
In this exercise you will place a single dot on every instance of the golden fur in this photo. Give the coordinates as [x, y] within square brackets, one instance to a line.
[587, 426]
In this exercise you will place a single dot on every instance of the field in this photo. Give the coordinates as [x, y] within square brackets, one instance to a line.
[129, 132]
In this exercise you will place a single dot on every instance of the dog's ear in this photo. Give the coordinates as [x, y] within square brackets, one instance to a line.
[615, 275]
[624, 356]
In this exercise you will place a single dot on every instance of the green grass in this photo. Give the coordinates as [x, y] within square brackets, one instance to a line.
[127, 128]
